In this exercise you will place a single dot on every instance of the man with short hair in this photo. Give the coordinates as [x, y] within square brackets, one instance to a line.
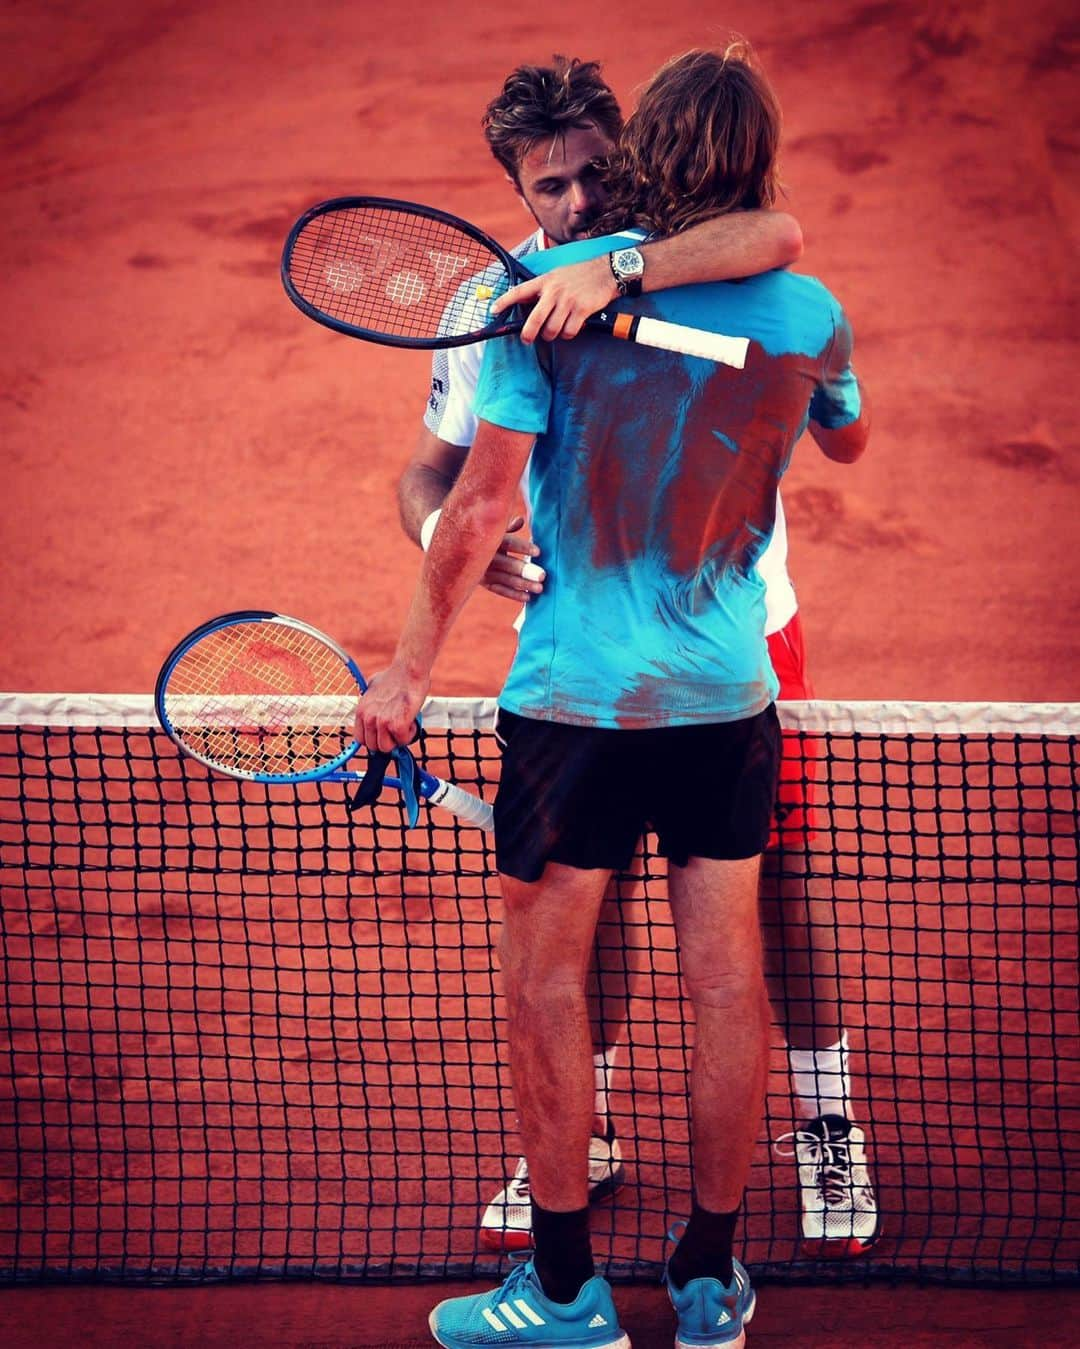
[550, 127]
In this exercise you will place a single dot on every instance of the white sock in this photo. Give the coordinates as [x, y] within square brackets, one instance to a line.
[603, 1069]
[821, 1081]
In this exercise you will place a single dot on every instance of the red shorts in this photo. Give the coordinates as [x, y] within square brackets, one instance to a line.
[793, 826]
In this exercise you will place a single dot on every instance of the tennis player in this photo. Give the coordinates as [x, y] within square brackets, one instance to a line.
[550, 128]
[642, 693]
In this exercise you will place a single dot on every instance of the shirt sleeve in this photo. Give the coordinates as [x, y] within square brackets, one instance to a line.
[514, 391]
[455, 370]
[836, 400]
[454, 375]
[438, 392]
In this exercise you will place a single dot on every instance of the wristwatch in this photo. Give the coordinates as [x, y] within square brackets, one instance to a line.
[628, 268]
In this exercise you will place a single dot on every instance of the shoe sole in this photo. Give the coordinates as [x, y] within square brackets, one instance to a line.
[839, 1248]
[623, 1342]
[737, 1343]
[492, 1239]
[513, 1239]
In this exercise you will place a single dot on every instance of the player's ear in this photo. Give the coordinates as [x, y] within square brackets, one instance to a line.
[515, 184]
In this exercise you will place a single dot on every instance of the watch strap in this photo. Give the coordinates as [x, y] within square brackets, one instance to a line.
[629, 286]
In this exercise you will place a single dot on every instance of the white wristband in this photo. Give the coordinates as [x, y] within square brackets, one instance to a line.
[428, 528]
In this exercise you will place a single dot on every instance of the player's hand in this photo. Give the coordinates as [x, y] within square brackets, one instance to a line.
[386, 716]
[562, 299]
[511, 573]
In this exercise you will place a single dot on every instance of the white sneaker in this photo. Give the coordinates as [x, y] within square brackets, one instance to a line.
[839, 1211]
[507, 1221]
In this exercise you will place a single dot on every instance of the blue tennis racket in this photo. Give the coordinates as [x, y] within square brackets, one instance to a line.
[265, 698]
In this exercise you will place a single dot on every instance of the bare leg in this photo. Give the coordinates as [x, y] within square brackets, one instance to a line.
[715, 907]
[619, 955]
[839, 1208]
[799, 919]
[547, 942]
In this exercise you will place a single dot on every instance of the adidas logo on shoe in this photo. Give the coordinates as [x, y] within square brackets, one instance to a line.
[597, 1320]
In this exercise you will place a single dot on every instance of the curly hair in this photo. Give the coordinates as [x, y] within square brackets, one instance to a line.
[703, 141]
[538, 102]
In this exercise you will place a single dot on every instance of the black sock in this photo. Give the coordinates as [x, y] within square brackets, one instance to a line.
[563, 1251]
[705, 1249]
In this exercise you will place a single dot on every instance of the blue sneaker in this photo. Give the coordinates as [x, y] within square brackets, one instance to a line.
[519, 1313]
[712, 1316]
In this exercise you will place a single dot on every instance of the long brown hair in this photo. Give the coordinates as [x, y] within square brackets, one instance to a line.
[702, 141]
[538, 102]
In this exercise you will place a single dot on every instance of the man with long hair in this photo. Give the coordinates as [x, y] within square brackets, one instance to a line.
[641, 694]
[551, 128]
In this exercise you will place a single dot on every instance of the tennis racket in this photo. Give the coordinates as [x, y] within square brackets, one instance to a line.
[411, 276]
[265, 698]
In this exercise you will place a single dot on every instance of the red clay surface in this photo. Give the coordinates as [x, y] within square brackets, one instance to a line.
[318, 1316]
[180, 441]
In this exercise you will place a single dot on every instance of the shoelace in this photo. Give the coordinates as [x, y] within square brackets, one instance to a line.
[517, 1276]
[830, 1158]
[518, 1186]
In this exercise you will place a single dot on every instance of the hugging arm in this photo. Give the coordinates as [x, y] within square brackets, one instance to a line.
[742, 243]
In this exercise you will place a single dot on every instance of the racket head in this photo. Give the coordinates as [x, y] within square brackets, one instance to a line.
[260, 696]
[397, 272]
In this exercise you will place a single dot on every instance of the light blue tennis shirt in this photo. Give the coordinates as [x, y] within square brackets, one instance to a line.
[653, 491]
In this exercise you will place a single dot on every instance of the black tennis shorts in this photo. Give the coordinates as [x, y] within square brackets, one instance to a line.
[583, 795]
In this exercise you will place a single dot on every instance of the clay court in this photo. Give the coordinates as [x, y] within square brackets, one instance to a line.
[179, 441]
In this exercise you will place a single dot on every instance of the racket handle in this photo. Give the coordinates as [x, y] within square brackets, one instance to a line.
[463, 804]
[687, 341]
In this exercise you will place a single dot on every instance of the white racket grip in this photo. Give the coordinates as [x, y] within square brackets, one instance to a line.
[464, 805]
[692, 341]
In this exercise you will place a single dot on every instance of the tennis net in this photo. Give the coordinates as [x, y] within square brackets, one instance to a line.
[244, 1033]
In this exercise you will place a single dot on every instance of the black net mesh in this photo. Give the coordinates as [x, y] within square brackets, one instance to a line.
[244, 1033]
[395, 273]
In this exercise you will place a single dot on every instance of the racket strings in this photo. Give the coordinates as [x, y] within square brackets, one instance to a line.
[396, 273]
[262, 698]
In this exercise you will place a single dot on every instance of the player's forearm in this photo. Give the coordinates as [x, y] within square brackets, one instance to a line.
[461, 548]
[743, 243]
[421, 490]
[429, 475]
[468, 533]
